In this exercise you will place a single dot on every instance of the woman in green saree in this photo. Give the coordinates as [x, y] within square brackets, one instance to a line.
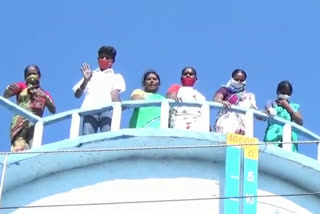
[147, 117]
[284, 108]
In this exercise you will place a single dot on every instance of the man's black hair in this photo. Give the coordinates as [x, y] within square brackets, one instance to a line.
[109, 51]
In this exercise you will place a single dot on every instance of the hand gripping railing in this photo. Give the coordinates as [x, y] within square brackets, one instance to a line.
[165, 105]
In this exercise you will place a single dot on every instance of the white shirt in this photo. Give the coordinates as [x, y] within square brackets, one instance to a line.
[98, 90]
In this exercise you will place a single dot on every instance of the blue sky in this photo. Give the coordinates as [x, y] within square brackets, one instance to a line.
[271, 40]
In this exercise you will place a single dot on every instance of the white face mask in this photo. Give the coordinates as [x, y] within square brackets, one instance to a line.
[237, 84]
[284, 96]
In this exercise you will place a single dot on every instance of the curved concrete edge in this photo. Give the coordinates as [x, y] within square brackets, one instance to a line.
[120, 144]
[291, 167]
[86, 142]
[126, 143]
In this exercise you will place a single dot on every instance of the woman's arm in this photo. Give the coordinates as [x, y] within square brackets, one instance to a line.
[50, 104]
[137, 94]
[136, 97]
[11, 90]
[173, 91]
[295, 115]
[219, 97]
[171, 95]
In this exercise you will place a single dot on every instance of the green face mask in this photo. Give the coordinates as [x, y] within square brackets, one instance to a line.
[33, 79]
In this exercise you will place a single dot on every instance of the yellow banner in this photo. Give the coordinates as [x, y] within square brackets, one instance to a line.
[251, 152]
[236, 139]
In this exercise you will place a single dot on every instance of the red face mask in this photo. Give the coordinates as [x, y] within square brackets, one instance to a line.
[105, 63]
[189, 82]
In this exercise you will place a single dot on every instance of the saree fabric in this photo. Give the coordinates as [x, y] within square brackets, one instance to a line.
[186, 117]
[21, 129]
[146, 117]
[274, 131]
[233, 122]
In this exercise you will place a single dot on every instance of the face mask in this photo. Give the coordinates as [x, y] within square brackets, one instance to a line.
[105, 64]
[284, 96]
[237, 84]
[33, 79]
[189, 82]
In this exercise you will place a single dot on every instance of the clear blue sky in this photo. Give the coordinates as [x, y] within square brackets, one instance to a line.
[271, 40]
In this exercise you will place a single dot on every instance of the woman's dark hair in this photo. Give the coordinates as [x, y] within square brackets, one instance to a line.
[146, 74]
[27, 69]
[235, 72]
[284, 85]
[192, 68]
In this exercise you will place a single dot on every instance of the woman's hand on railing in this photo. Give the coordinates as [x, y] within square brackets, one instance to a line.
[177, 99]
[225, 104]
[270, 111]
[123, 108]
[173, 95]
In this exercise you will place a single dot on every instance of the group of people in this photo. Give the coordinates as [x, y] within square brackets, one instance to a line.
[102, 86]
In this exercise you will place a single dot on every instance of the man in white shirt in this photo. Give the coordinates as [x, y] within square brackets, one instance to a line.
[101, 87]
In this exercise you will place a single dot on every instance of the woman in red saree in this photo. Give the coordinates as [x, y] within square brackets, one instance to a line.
[31, 97]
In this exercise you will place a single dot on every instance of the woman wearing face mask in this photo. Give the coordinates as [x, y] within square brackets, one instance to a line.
[182, 117]
[31, 97]
[284, 108]
[147, 117]
[233, 94]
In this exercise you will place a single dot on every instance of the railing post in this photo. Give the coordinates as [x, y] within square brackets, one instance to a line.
[249, 123]
[116, 116]
[38, 133]
[318, 151]
[4, 168]
[205, 117]
[164, 119]
[286, 136]
[75, 125]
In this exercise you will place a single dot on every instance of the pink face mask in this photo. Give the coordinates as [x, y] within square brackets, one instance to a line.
[189, 82]
[105, 63]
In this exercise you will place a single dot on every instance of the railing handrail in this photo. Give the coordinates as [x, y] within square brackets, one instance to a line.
[144, 103]
[14, 108]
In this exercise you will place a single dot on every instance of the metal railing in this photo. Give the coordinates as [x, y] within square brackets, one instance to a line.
[165, 105]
